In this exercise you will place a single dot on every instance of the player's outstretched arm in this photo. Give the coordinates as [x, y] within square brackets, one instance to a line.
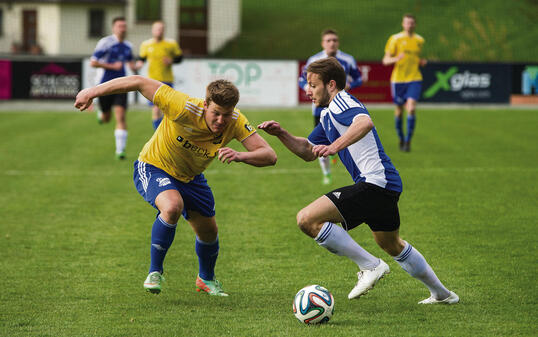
[298, 145]
[259, 152]
[362, 124]
[145, 86]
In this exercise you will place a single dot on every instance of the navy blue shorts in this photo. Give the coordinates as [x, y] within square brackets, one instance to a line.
[197, 195]
[402, 91]
[171, 85]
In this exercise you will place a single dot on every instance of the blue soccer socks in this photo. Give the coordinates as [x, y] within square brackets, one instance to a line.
[207, 258]
[411, 119]
[162, 236]
[398, 125]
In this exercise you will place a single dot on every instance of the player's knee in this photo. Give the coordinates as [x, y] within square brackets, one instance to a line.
[171, 211]
[304, 221]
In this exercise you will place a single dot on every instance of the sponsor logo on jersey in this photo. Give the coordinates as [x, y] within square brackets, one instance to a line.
[197, 150]
[249, 127]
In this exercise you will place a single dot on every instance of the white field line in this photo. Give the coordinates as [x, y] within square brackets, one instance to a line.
[266, 171]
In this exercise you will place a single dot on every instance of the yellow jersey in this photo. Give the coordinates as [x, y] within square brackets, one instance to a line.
[407, 69]
[154, 51]
[183, 146]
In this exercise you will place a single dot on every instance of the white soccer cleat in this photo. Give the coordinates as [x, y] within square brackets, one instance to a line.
[368, 279]
[453, 298]
[153, 282]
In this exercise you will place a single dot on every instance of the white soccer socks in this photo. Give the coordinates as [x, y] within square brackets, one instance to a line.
[121, 140]
[415, 265]
[336, 240]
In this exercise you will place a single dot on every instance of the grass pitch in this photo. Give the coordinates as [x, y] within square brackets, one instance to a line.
[74, 233]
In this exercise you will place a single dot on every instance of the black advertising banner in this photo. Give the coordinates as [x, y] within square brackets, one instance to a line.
[466, 83]
[46, 79]
[525, 79]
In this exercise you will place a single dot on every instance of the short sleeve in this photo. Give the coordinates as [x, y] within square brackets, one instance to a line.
[100, 50]
[170, 101]
[390, 47]
[346, 117]
[177, 51]
[143, 50]
[243, 129]
[318, 136]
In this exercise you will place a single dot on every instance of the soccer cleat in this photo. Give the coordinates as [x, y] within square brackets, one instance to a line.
[368, 279]
[402, 145]
[406, 146]
[327, 179]
[213, 287]
[453, 298]
[120, 156]
[153, 282]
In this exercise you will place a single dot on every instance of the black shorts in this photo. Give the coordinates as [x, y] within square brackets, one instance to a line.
[106, 102]
[369, 203]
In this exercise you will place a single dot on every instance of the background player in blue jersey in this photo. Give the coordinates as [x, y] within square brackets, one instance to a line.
[330, 44]
[346, 129]
[111, 54]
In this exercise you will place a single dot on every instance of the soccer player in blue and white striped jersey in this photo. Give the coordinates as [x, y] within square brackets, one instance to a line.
[330, 44]
[111, 54]
[347, 130]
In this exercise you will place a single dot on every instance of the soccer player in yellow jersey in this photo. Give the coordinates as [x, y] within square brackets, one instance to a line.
[160, 53]
[403, 50]
[168, 172]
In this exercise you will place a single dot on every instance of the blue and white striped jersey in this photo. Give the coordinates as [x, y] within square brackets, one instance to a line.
[109, 50]
[354, 78]
[365, 160]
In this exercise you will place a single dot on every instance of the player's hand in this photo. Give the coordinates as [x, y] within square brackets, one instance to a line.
[323, 150]
[167, 61]
[117, 66]
[139, 64]
[271, 127]
[228, 155]
[83, 100]
[423, 62]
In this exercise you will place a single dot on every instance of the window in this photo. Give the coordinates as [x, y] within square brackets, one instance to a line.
[97, 23]
[148, 10]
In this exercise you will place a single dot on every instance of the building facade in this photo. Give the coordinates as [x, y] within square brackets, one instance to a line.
[73, 27]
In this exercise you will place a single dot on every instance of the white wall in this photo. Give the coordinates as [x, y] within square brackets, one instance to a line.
[74, 26]
[224, 22]
[11, 27]
[141, 31]
[48, 28]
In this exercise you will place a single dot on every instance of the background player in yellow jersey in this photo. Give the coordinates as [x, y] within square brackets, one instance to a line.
[168, 172]
[160, 53]
[403, 50]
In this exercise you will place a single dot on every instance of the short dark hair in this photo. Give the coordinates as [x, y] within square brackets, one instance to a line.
[329, 69]
[118, 18]
[223, 93]
[411, 16]
[327, 32]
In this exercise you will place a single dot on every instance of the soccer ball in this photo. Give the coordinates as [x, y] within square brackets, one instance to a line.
[313, 304]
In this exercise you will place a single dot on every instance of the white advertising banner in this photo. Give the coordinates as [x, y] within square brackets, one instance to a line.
[260, 83]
